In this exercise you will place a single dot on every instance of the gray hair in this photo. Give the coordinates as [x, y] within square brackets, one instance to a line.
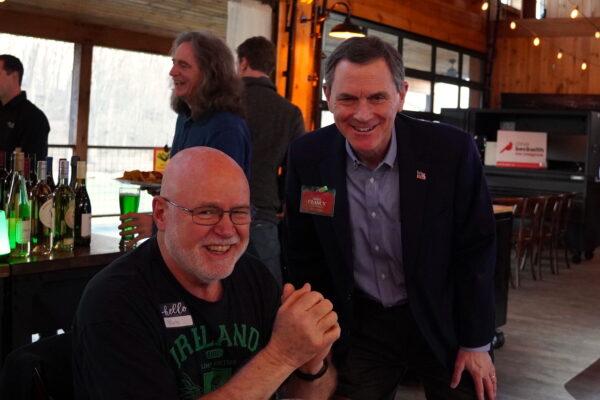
[220, 88]
[363, 50]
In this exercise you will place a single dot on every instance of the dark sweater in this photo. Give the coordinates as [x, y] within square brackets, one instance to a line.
[273, 123]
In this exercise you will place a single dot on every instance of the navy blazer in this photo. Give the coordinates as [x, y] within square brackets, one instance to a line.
[447, 228]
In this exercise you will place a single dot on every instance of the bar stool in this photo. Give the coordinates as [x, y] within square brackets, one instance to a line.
[548, 233]
[566, 204]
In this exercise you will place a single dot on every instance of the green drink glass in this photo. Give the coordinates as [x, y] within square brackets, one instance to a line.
[129, 201]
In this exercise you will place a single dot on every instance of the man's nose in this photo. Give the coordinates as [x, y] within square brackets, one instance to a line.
[225, 227]
[363, 111]
[173, 70]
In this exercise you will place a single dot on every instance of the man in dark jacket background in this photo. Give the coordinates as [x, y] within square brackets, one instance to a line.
[273, 122]
[22, 124]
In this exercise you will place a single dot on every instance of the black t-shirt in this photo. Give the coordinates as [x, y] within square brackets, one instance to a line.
[138, 334]
[24, 125]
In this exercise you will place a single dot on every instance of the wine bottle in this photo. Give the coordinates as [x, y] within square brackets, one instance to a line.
[49, 177]
[27, 173]
[18, 210]
[83, 209]
[8, 180]
[64, 210]
[43, 220]
[74, 160]
[33, 178]
[3, 175]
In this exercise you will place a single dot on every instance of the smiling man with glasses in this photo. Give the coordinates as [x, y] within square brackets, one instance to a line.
[186, 315]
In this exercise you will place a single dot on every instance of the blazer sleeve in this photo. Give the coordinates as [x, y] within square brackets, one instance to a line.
[304, 257]
[474, 252]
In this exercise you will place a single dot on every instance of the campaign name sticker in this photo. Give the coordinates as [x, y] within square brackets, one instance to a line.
[176, 315]
[317, 200]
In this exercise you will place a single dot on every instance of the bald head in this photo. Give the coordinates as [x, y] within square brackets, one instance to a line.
[205, 181]
[195, 167]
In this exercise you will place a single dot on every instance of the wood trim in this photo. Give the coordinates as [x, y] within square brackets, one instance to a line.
[555, 27]
[71, 30]
[83, 101]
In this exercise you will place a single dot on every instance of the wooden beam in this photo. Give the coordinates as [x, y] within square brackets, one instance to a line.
[553, 27]
[83, 101]
[28, 24]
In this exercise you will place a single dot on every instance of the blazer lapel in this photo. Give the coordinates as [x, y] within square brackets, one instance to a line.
[333, 173]
[413, 193]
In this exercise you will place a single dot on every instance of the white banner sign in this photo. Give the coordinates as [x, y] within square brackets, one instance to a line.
[520, 149]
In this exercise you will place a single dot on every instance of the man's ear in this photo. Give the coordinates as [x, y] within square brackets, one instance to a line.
[244, 64]
[327, 92]
[158, 212]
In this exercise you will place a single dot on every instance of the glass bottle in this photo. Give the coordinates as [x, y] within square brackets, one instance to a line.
[49, 176]
[8, 180]
[43, 219]
[72, 182]
[83, 208]
[3, 174]
[64, 210]
[18, 210]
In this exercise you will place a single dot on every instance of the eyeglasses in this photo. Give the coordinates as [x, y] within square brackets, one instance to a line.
[211, 215]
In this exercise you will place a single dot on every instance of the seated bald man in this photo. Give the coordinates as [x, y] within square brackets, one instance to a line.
[187, 315]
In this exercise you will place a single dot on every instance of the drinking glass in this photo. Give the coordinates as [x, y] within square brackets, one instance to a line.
[129, 201]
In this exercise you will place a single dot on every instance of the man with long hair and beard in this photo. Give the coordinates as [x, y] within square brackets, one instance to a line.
[207, 96]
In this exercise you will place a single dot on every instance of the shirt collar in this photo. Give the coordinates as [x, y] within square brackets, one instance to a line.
[389, 159]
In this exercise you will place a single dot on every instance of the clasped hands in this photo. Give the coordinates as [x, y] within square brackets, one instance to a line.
[304, 330]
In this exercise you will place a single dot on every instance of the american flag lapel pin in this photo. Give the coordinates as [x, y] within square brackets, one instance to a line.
[422, 176]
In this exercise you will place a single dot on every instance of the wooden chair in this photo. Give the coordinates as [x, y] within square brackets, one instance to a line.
[566, 204]
[527, 212]
[548, 233]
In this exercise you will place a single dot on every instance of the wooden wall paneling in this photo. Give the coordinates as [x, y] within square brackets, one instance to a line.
[162, 18]
[29, 24]
[452, 22]
[523, 68]
[83, 109]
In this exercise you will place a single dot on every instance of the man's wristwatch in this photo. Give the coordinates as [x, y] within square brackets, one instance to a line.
[311, 377]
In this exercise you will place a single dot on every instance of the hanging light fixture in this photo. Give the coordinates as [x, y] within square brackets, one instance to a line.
[513, 25]
[583, 66]
[485, 6]
[345, 30]
[597, 35]
[559, 55]
[536, 41]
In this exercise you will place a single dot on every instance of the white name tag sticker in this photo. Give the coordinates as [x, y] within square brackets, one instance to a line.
[176, 315]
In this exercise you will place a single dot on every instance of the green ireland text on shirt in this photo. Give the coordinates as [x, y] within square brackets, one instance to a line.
[196, 339]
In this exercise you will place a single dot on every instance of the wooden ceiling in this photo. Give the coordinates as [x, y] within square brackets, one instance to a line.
[159, 17]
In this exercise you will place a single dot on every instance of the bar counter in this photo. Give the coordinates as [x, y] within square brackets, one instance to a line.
[39, 294]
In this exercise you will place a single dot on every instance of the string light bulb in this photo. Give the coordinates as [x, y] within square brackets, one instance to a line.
[485, 6]
[575, 12]
[513, 25]
[536, 41]
[583, 66]
[597, 35]
[559, 55]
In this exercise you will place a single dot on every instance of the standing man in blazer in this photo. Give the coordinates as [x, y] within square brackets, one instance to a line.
[390, 218]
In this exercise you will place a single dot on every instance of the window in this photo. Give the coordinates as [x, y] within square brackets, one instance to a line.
[47, 78]
[445, 96]
[129, 115]
[418, 97]
[446, 62]
[416, 55]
